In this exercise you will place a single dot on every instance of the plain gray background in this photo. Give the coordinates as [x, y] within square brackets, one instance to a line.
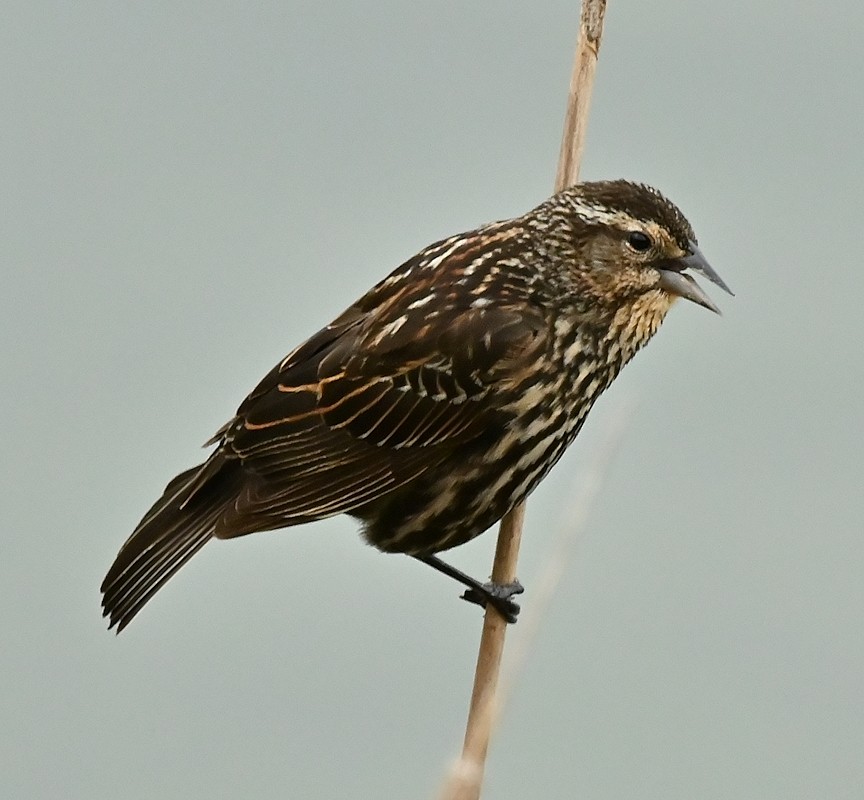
[190, 189]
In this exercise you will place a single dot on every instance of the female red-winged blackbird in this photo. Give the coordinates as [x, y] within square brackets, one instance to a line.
[442, 397]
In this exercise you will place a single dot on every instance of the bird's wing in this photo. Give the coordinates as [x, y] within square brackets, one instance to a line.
[373, 400]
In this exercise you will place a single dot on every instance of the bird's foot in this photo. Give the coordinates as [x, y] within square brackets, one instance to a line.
[498, 596]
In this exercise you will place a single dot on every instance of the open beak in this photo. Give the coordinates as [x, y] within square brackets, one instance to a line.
[675, 280]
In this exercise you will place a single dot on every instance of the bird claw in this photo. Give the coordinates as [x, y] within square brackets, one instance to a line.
[498, 596]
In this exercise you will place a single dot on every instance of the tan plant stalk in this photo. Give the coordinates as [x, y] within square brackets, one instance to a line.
[467, 778]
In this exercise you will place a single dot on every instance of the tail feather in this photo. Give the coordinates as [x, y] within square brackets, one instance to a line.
[178, 525]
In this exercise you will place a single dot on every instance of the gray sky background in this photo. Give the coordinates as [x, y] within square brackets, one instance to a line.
[189, 190]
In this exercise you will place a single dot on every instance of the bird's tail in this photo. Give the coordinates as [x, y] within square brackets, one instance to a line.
[177, 526]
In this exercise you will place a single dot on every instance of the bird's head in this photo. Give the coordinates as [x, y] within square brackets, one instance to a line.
[632, 249]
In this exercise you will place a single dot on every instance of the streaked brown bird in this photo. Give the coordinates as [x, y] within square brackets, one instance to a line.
[442, 397]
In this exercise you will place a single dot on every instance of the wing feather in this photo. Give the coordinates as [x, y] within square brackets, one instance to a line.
[383, 393]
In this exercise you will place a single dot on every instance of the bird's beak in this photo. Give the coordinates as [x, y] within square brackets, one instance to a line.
[675, 281]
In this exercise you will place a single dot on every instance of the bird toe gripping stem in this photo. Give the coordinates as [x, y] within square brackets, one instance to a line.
[497, 595]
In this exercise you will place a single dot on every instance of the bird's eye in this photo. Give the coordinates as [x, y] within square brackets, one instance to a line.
[640, 242]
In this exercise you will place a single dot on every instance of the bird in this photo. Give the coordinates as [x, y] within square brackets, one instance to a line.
[440, 399]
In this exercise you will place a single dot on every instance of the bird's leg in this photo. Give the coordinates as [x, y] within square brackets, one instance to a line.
[496, 594]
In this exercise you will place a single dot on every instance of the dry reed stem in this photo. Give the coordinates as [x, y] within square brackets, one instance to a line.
[467, 777]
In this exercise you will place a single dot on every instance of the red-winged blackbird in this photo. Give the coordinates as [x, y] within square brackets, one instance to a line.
[442, 397]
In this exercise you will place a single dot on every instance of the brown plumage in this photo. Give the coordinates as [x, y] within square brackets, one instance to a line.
[442, 397]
